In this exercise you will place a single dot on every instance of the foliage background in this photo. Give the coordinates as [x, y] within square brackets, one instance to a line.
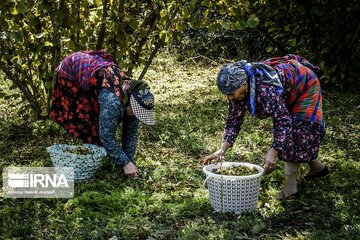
[36, 34]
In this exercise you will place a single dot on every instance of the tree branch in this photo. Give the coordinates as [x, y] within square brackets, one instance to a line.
[159, 43]
[151, 57]
[149, 21]
[157, 47]
[56, 50]
[24, 89]
[101, 36]
[118, 28]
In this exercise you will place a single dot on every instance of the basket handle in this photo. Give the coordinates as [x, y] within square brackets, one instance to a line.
[205, 182]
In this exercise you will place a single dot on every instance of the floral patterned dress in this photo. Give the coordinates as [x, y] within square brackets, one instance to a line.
[298, 126]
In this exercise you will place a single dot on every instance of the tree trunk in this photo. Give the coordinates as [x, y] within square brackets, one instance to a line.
[114, 42]
[56, 52]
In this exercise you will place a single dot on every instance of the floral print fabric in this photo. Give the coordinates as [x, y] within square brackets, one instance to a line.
[74, 102]
[77, 111]
[295, 139]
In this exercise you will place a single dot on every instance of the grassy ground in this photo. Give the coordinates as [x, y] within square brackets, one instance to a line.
[168, 201]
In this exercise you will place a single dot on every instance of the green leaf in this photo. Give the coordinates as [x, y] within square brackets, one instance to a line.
[59, 16]
[292, 42]
[49, 123]
[170, 7]
[252, 21]
[142, 32]
[162, 35]
[240, 25]
[167, 38]
[48, 44]
[179, 27]
[226, 25]
[206, 3]
[40, 7]
[97, 3]
[18, 36]
[163, 13]
[206, 13]
[144, 47]
[44, 113]
[215, 26]
[163, 21]
[269, 23]
[269, 49]
[22, 7]
[2, 94]
[71, 45]
[177, 36]
[14, 11]
[134, 24]
[48, 84]
[192, 21]
[185, 13]
[89, 32]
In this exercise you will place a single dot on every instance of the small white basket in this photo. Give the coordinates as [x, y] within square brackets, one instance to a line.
[84, 166]
[233, 193]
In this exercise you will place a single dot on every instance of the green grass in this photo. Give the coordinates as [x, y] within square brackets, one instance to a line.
[168, 201]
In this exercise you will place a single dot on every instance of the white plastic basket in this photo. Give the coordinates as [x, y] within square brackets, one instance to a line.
[84, 166]
[233, 193]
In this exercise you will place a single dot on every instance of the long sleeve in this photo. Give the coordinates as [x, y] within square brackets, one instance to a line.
[274, 106]
[111, 110]
[130, 136]
[236, 111]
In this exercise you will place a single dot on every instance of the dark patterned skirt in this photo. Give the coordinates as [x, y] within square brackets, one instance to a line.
[305, 143]
[76, 110]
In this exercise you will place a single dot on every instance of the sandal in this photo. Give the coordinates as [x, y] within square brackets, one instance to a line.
[322, 173]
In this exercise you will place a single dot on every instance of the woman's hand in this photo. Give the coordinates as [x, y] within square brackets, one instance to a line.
[270, 160]
[214, 157]
[218, 155]
[130, 170]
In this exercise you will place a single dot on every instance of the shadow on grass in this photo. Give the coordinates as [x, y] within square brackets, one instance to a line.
[168, 200]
